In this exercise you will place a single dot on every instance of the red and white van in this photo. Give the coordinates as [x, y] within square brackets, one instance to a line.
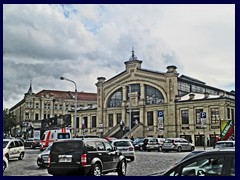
[50, 136]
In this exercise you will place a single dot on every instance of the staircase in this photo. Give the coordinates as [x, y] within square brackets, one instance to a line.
[112, 131]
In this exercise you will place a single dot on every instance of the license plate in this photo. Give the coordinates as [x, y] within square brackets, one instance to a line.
[65, 158]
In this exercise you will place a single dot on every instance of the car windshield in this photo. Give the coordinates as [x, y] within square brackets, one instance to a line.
[5, 143]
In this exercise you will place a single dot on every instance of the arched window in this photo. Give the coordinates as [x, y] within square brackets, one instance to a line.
[115, 99]
[153, 95]
[134, 88]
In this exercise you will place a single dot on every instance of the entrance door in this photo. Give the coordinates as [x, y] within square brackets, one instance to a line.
[199, 140]
[134, 118]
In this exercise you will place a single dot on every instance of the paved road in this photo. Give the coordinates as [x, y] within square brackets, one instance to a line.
[145, 163]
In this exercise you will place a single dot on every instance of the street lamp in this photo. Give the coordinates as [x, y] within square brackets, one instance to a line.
[130, 112]
[75, 104]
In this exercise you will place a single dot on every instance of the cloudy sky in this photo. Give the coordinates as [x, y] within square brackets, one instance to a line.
[83, 42]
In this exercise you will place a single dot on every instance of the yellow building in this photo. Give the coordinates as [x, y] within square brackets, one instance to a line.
[159, 104]
[147, 102]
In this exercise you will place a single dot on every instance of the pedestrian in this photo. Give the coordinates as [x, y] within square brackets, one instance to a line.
[208, 142]
[132, 138]
[121, 124]
[190, 140]
[136, 122]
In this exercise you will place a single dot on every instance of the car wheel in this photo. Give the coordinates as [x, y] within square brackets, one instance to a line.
[122, 168]
[21, 156]
[160, 149]
[4, 166]
[179, 149]
[97, 170]
[192, 148]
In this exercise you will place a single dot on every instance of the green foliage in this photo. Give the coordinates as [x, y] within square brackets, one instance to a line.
[9, 121]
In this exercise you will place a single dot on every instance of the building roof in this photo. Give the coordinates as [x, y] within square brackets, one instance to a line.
[198, 96]
[67, 95]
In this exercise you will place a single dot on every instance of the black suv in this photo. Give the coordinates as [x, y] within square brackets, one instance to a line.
[92, 157]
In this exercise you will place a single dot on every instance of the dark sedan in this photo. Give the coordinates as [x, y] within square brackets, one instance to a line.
[32, 143]
[210, 163]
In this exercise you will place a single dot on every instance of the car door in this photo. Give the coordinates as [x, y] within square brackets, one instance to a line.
[113, 157]
[230, 165]
[185, 144]
[13, 150]
[103, 155]
[201, 165]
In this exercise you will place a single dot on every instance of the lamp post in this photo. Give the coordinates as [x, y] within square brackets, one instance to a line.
[75, 104]
[130, 111]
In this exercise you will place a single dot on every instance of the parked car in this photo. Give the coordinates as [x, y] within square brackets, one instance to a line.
[5, 162]
[177, 144]
[88, 136]
[210, 163]
[88, 156]
[138, 142]
[150, 144]
[125, 147]
[224, 144]
[43, 157]
[32, 143]
[109, 139]
[13, 148]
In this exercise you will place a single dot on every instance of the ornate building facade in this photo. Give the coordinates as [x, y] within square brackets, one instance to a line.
[44, 106]
[160, 104]
[149, 103]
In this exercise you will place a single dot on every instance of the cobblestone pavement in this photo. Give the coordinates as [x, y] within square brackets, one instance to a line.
[145, 163]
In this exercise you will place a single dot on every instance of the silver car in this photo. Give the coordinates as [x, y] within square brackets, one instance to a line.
[177, 144]
[125, 147]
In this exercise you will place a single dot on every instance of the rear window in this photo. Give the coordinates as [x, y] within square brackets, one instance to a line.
[122, 143]
[169, 141]
[63, 136]
[67, 146]
[224, 144]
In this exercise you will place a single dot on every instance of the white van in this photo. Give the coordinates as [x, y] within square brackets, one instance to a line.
[51, 136]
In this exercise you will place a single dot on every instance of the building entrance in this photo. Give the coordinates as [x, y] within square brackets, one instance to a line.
[199, 140]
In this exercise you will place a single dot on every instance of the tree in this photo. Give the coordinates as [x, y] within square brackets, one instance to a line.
[9, 121]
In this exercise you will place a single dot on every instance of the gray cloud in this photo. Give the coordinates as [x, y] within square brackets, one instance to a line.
[43, 42]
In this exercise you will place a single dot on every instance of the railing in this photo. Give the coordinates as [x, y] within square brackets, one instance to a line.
[112, 131]
[132, 130]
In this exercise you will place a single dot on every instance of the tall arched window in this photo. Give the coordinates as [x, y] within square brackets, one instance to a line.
[153, 95]
[115, 99]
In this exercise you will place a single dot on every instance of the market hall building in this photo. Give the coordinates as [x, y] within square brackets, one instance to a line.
[145, 103]
[159, 104]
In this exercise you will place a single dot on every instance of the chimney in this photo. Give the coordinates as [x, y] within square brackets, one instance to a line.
[171, 69]
[222, 93]
[101, 79]
[191, 96]
[206, 95]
